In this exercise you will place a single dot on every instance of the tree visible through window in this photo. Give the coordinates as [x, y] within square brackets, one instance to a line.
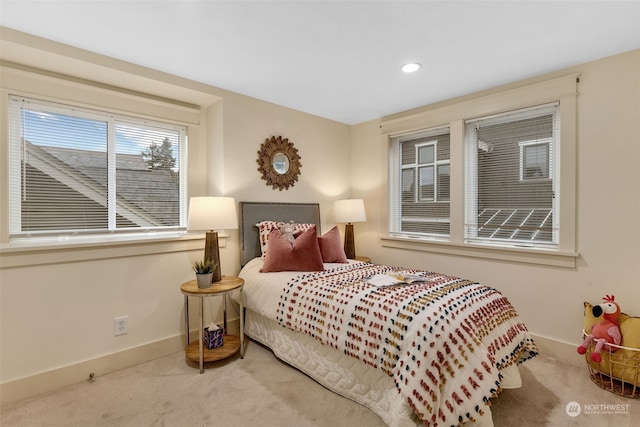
[81, 171]
[159, 156]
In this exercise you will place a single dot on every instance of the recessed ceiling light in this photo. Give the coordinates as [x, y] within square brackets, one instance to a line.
[411, 67]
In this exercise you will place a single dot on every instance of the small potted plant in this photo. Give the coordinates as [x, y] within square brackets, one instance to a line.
[204, 272]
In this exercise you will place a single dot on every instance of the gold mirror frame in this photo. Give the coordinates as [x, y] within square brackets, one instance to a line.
[268, 150]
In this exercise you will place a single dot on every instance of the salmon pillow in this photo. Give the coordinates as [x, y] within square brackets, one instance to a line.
[266, 227]
[303, 254]
[331, 246]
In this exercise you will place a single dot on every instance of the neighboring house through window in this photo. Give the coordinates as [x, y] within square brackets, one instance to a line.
[534, 159]
[508, 185]
[82, 171]
[510, 191]
[511, 173]
[421, 204]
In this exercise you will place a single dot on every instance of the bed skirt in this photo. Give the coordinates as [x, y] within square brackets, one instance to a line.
[345, 375]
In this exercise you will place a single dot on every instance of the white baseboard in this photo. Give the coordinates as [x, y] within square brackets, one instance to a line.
[79, 372]
[73, 374]
[57, 378]
[558, 349]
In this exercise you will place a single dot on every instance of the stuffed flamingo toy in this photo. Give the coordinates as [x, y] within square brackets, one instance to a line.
[606, 331]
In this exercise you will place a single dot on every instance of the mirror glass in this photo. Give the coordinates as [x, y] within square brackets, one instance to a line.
[280, 162]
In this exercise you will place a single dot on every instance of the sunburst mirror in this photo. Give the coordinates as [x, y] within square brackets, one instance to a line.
[279, 162]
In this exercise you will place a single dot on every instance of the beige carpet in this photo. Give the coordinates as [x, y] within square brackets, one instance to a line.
[261, 391]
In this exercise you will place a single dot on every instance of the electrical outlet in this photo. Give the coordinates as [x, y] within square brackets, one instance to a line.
[120, 325]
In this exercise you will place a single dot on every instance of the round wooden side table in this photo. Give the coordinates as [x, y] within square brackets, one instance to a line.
[224, 288]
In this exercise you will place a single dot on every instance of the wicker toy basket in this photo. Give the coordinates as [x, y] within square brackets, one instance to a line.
[619, 370]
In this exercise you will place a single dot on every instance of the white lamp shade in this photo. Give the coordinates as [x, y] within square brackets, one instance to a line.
[212, 213]
[349, 210]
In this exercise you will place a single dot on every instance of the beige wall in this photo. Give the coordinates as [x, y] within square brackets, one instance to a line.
[608, 209]
[322, 144]
[57, 305]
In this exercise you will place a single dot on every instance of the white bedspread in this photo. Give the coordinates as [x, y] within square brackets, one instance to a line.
[262, 290]
[332, 368]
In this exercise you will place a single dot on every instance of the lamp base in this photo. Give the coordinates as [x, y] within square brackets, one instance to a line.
[212, 252]
[349, 242]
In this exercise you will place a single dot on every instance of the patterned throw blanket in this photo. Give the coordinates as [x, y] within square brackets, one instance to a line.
[443, 341]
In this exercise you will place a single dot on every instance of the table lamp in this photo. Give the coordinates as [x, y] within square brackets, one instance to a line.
[211, 214]
[349, 210]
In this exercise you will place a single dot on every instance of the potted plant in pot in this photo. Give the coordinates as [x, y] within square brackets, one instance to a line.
[204, 272]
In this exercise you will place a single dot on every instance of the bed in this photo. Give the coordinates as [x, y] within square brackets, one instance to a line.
[430, 353]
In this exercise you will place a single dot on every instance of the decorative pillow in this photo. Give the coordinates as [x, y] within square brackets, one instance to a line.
[331, 246]
[301, 255]
[630, 331]
[266, 227]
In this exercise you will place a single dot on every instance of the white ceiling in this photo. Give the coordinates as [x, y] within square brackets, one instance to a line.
[340, 59]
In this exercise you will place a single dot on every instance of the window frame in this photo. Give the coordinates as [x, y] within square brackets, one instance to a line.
[421, 166]
[523, 145]
[114, 119]
[435, 165]
[562, 89]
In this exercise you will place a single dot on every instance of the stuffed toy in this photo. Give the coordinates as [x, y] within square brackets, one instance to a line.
[606, 331]
[288, 230]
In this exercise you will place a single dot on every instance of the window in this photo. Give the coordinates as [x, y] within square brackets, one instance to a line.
[534, 159]
[80, 171]
[510, 194]
[420, 205]
[510, 191]
[512, 175]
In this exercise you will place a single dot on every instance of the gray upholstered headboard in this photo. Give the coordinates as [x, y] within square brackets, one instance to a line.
[252, 213]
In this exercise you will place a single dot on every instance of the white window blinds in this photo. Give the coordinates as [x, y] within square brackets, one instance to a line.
[511, 189]
[420, 184]
[75, 171]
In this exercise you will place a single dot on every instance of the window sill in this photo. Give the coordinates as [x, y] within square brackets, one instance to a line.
[511, 254]
[53, 251]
